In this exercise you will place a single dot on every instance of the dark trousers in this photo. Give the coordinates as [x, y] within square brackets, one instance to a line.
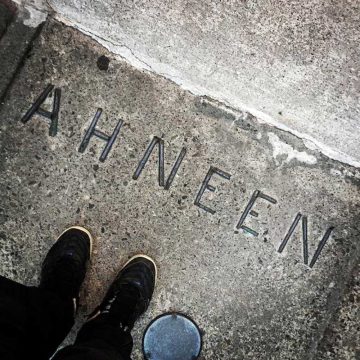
[34, 322]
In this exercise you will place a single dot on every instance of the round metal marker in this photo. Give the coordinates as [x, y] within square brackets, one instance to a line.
[172, 336]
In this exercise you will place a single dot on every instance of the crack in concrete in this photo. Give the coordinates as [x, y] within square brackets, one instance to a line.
[263, 118]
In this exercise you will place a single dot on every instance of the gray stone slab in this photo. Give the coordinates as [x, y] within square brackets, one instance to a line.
[6, 16]
[291, 63]
[15, 42]
[250, 301]
[342, 338]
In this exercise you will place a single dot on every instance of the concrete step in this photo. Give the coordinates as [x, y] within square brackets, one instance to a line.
[250, 300]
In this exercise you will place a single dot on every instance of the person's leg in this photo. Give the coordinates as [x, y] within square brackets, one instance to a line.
[106, 336]
[98, 339]
[34, 320]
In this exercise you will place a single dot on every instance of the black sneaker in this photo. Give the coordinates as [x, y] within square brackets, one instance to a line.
[130, 293]
[64, 267]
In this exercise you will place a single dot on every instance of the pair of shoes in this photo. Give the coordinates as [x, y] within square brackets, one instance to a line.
[64, 268]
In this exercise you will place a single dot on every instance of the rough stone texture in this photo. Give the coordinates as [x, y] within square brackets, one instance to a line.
[342, 338]
[294, 64]
[15, 41]
[6, 16]
[250, 301]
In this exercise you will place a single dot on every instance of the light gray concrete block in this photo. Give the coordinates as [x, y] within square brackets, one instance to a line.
[250, 301]
[292, 64]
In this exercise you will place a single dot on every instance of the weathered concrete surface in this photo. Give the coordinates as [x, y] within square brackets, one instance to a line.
[6, 16]
[250, 301]
[292, 64]
[342, 338]
[34, 12]
[17, 31]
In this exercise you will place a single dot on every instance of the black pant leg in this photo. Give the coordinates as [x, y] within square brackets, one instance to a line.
[99, 339]
[33, 322]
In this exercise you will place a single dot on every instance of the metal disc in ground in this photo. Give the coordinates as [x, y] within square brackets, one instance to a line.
[172, 337]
